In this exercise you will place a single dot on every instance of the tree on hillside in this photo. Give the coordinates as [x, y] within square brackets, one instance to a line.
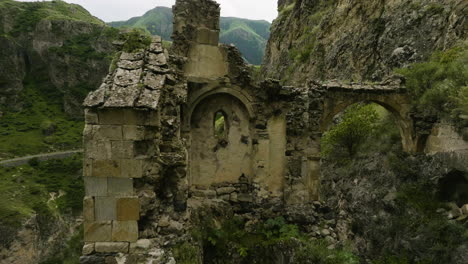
[355, 126]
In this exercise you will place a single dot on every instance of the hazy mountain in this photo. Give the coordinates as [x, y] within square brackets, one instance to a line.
[250, 36]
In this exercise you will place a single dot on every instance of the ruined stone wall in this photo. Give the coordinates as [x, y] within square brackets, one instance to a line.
[117, 143]
[152, 158]
[216, 159]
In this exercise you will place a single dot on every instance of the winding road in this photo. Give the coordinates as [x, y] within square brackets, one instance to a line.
[44, 156]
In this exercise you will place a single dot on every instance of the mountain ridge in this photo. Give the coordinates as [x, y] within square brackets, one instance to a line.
[250, 36]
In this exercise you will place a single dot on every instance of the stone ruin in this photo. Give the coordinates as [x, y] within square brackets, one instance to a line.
[154, 151]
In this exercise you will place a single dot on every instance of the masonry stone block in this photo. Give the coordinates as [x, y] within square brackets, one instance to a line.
[135, 117]
[95, 186]
[154, 119]
[141, 246]
[118, 187]
[88, 209]
[87, 167]
[122, 149]
[132, 168]
[128, 209]
[207, 36]
[124, 231]
[91, 117]
[111, 117]
[88, 249]
[107, 168]
[108, 132]
[105, 208]
[98, 149]
[97, 231]
[88, 132]
[112, 247]
[133, 132]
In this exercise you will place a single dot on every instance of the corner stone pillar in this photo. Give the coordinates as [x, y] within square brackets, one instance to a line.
[116, 143]
[197, 21]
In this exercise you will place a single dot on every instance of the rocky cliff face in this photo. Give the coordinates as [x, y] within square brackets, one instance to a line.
[54, 43]
[358, 40]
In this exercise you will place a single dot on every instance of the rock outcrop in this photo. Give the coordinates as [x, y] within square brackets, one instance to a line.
[358, 40]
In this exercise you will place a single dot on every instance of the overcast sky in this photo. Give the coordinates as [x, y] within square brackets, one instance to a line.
[114, 10]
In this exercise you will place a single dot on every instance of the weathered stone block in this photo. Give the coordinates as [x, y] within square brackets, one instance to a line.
[207, 36]
[210, 194]
[110, 117]
[107, 132]
[135, 117]
[91, 117]
[127, 77]
[149, 99]
[128, 209]
[134, 132]
[130, 65]
[124, 231]
[120, 187]
[105, 208]
[132, 168]
[107, 168]
[98, 149]
[141, 246]
[112, 247]
[97, 231]
[88, 209]
[122, 149]
[88, 249]
[225, 190]
[95, 186]
[87, 167]
[155, 81]
[157, 59]
[154, 119]
[132, 56]
[88, 132]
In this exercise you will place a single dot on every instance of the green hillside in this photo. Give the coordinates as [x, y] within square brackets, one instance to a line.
[42, 86]
[250, 36]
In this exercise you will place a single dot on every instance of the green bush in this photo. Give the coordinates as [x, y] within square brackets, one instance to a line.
[438, 86]
[356, 125]
[261, 242]
[136, 39]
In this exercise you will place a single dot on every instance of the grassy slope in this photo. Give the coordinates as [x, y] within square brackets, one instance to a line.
[42, 125]
[25, 132]
[26, 191]
[28, 14]
[250, 36]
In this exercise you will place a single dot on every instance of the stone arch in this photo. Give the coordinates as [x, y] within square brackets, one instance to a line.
[397, 104]
[198, 96]
[213, 159]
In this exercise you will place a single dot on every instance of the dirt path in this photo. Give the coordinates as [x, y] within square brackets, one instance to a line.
[44, 156]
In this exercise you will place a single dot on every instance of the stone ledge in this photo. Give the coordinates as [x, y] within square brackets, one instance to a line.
[112, 247]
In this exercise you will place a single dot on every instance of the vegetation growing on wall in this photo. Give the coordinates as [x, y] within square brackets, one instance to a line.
[135, 39]
[236, 240]
[439, 87]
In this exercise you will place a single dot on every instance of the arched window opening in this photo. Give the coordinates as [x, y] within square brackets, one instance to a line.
[220, 125]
